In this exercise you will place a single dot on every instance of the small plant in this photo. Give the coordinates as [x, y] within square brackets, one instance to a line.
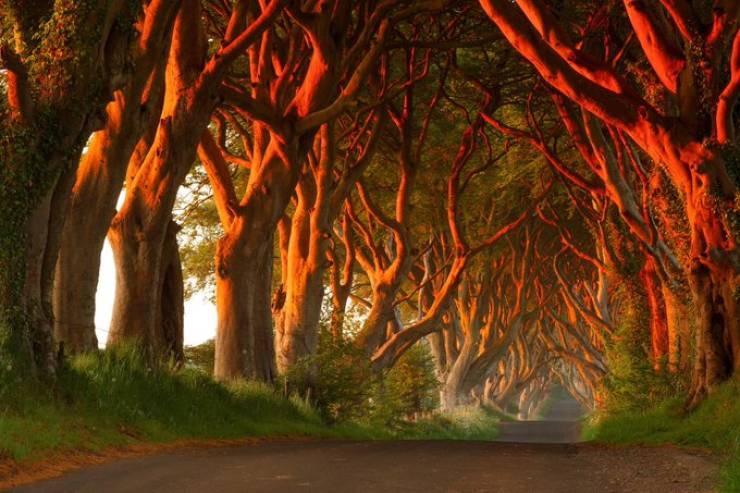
[337, 379]
[407, 391]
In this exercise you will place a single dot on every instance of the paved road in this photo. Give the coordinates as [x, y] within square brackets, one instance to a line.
[559, 425]
[411, 466]
[404, 466]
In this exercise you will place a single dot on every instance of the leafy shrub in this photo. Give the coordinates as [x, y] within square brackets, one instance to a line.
[632, 383]
[201, 357]
[337, 379]
[340, 383]
[407, 391]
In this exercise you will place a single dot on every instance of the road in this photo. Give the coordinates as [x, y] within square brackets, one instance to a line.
[402, 466]
[559, 425]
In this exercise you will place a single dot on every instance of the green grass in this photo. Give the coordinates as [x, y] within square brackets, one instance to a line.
[715, 425]
[467, 423]
[112, 398]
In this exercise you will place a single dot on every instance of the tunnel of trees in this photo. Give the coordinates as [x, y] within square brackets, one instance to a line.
[532, 191]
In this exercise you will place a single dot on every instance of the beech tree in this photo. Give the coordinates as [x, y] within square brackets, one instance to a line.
[61, 62]
[138, 231]
[278, 154]
[692, 137]
[130, 122]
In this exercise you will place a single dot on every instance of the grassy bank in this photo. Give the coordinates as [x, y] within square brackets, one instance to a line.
[715, 425]
[114, 399]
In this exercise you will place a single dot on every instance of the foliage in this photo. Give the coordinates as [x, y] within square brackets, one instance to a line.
[115, 398]
[408, 390]
[339, 381]
[465, 423]
[715, 424]
[201, 357]
[632, 383]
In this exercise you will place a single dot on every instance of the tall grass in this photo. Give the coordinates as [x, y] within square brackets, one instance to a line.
[115, 398]
[715, 425]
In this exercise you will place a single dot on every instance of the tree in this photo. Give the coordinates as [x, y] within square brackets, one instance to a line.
[62, 61]
[139, 230]
[693, 138]
[131, 120]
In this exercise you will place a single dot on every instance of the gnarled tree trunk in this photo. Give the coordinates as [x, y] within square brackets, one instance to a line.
[98, 185]
[56, 86]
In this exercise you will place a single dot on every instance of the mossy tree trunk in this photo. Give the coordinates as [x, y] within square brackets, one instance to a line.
[61, 67]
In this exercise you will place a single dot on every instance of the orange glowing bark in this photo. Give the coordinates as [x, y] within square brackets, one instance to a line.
[138, 231]
[278, 153]
[686, 146]
[132, 114]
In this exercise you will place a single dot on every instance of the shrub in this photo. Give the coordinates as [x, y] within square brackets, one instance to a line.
[337, 379]
[340, 383]
[201, 357]
[407, 391]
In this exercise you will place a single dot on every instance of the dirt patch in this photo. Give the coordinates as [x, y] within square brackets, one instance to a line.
[650, 469]
[55, 464]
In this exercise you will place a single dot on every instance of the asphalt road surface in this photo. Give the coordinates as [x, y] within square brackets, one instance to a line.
[403, 466]
[559, 425]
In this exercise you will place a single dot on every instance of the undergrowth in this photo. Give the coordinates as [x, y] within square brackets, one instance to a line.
[114, 398]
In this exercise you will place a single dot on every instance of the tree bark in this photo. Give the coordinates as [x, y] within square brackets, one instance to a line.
[172, 298]
[659, 336]
[297, 335]
[138, 231]
[49, 121]
[244, 267]
[244, 335]
[133, 113]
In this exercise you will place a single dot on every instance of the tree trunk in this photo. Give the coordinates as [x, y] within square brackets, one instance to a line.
[38, 312]
[138, 256]
[98, 185]
[297, 334]
[373, 330]
[659, 337]
[244, 333]
[172, 305]
[716, 345]
[139, 230]
[338, 313]
[452, 388]
[677, 308]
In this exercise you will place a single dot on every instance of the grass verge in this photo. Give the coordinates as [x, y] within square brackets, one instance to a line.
[715, 425]
[113, 399]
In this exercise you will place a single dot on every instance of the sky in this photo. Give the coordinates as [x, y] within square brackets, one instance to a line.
[200, 312]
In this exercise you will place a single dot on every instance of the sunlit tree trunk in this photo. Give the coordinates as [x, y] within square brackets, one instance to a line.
[283, 134]
[341, 280]
[659, 335]
[243, 283]
[134, 112]
[297, 335]
[138, 232]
